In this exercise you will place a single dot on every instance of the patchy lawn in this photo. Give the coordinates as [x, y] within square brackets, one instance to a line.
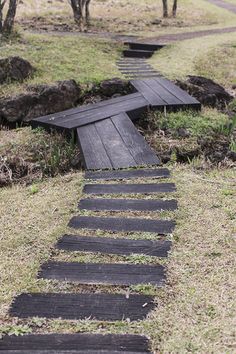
[210, 56]
[85, 60]
[195, 309]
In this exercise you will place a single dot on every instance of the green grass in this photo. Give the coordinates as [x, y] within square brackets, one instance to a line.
[62, 57]
[210, 56]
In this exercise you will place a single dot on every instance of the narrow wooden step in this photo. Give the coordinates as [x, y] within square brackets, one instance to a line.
[129, 188]
[127, 204]
[108, 274]
[102, 307]
[128, 174]
[161, 227]
[120, 246]
[74, 343]
[131, 53]
[144, 46]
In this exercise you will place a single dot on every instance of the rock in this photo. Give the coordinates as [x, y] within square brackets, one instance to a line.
[183, 133]
[232, 155]
[206, 91]
[234, 87]
[15, 69]
[108, 88]
[156, 22]
[39, 101]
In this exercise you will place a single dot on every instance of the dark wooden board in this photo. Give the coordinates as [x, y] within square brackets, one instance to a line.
[144, 46]
[121, 246]
[114, 143]
[128, 174]
[102, 307]
[129, 188]
[51, 351]
[85, 108]
[98, 114]
[78, 343]
[122, 224]
[127, 204]
[152, 97]
[104, 273]
[134, 53]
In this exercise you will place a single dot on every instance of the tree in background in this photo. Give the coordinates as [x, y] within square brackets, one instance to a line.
[7, 21]
[165, 8]
[81, 12]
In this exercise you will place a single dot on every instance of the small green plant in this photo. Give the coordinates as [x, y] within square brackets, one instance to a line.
[16, 330]
[33, 189]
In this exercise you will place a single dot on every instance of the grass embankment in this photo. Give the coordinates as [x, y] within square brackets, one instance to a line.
[85, 60]
[195, 310]
[210, 56]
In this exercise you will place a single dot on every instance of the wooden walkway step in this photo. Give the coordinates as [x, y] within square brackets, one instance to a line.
[102, 307]
[161, 227]
[138, 53]
[148, 188]
[127, 204]
[78, 343]
[114, 143]
[102, 273]
[128, 174]
[120, 246]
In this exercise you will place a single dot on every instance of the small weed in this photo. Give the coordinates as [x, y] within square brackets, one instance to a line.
[228, 192]
[33, 189]
[16, 330]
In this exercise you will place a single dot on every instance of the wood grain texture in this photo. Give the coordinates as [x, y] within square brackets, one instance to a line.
[104, 273]
[102, 307]
[127, 204]
[147, 188]
[121, 246]
[128, 174]
[78, 343]
[161, 227]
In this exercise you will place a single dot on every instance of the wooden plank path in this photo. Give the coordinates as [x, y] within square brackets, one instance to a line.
[128, 174]
[78, 343]
[107, 245]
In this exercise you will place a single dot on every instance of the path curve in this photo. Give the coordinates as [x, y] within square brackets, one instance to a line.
[224, 5]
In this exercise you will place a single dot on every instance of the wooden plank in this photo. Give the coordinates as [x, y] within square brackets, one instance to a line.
[128, 174]
[168, 97]
[102, 307]
[127, 204]
[81, 109]
[134, 141]
[106, 274]
[88, 138]
[152, 97]
[121, 246]
[161, 227]
[129, 188]
[133, 53]
[114, 145]
[98, 114]
[78, 343]
[177, 91]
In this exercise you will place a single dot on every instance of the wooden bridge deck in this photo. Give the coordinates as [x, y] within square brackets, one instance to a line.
[107, 137]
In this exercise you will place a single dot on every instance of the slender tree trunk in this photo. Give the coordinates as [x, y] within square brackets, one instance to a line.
[165, 8]
[81, 12]
[76, 11]
[87, 12]
[10, 17]
[174, 9]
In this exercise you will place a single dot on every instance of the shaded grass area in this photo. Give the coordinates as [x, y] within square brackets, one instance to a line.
[210, 56]
[28, 155]
[85, 60]
[195, 310]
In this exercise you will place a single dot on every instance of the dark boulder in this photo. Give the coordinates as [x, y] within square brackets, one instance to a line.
[206, 91]
[109, 88]
[39, 101]
[15, 69]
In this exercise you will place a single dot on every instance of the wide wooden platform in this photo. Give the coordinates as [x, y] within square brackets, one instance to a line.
[107, 137]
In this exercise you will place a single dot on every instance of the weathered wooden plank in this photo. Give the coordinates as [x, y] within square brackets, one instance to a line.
[78, 343]
[82, 109]
[177, 92]
[168, 97]
[51, 351]
[134, 53]
[161, 227]
[94, 158]
[144, 46]
[114, 145]
[147, 188]
[134, 141]
[108, 274]
[152, 97]
[127, 204]
[102, 307]
[128, 174]
[121, 246]
[98, 114]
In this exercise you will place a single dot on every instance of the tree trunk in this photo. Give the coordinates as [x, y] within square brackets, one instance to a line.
[87, 12]
[10, 17]
[81, 12]
[174, 9]
[165, 8]
[76, 8]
